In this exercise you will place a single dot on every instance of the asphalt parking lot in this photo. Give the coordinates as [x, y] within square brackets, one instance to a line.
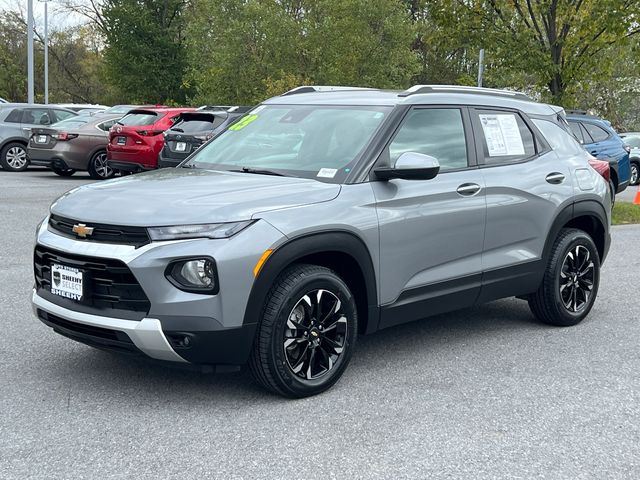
[483, 393]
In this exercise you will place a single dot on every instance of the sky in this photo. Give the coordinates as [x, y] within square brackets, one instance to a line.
[57, 18]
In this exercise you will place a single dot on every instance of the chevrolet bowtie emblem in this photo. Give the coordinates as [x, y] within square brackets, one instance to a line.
[82, 230]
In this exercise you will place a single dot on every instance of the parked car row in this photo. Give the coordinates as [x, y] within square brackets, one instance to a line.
[602, 141]
[104, 140]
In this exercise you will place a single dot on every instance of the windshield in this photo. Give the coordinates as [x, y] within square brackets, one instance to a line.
[311, 141]
[118, 109]
[139, 119]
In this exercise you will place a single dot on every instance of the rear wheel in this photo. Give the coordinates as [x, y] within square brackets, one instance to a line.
[307, 333]
[635, 173]
[570, 283]
[13, 157]
[64, 172]
[98, 167]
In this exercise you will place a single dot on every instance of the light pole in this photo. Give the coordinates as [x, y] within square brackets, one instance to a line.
[46, 53]
[30, 51]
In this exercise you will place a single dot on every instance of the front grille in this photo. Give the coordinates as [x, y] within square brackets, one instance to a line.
[122, 235]
[110, 288]
[89, 334]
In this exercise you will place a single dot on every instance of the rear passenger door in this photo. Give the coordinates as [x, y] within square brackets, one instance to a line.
[526, 185]
[431, 231]
[35, 117]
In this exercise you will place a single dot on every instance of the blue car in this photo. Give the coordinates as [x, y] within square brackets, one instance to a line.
[600, 139]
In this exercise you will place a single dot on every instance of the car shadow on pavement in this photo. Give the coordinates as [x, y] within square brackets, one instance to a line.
[422, 341]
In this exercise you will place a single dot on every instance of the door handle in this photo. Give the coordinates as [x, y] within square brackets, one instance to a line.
[468, 189]
[594, 152]
[555, 178]
[26, 128]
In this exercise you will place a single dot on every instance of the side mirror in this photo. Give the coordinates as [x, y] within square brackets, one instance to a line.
[410, 166]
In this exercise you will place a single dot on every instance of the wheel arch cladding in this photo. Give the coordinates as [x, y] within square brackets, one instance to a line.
[341, 251]
[588, 216]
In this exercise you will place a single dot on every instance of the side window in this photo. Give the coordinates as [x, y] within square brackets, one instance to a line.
[15, 116]
[560, 140]
[577, 131]
[505, 137]
[598, 134]
[62, 114]
[36, 116]
[106, 125]
[438, 132]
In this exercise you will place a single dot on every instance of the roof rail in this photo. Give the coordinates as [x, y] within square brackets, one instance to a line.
[420, 89]
[322, 88]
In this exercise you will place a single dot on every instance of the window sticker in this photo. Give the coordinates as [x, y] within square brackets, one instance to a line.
[327, 172]
[502, 135]
[243, 122]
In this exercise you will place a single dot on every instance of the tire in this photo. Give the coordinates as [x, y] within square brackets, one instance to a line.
[98, 167]
[64, 172]
[635, 173]
[612, 190]
[13, 157]
[554, 302]
[293, 355]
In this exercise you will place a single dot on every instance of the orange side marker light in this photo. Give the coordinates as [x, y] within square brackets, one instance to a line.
[263, 258]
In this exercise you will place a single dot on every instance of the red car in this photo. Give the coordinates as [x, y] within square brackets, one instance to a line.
[136, 140]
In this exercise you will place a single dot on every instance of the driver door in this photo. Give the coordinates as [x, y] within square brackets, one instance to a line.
[431, 231]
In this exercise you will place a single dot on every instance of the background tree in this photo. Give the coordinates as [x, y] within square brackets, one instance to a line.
[145, 56]
[244, 51]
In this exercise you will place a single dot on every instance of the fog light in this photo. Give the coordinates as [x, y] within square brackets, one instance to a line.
[196, 275]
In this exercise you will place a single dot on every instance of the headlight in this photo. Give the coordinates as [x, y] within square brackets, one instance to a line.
[196, 275]
[211, 230]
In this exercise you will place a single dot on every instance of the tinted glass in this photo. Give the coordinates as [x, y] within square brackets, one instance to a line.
[560, 141]
[505, 137]
[598, 134]
[632, 141]
[107, 125]
[15, 116]
[438, 132]
[136, 119]
[36, 116]
[192, 126]
[310, 141]
[62, 114]
[577, 131]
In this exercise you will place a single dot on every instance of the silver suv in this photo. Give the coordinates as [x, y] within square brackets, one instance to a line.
[322, 214]
[16, 122]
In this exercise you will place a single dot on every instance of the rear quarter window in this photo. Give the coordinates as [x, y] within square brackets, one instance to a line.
[560, 141]
[15, 116]
[598, 134]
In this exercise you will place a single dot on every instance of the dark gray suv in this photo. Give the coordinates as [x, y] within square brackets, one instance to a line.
[326, 213]
[16, 122]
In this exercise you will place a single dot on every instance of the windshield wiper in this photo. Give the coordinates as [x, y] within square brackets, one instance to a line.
[177, 130]
[259, 171]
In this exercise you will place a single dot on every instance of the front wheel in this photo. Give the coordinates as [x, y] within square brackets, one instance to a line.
[307, 333]
[571, 279]
[99, 168]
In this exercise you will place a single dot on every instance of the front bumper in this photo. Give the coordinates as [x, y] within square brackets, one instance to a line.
[213, 324]
[145, 334]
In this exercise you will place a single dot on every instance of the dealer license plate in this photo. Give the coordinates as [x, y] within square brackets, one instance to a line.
[66, 281]
[181, 146]
[41, 139]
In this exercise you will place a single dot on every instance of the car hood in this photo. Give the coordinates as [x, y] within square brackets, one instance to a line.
[188, 196]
